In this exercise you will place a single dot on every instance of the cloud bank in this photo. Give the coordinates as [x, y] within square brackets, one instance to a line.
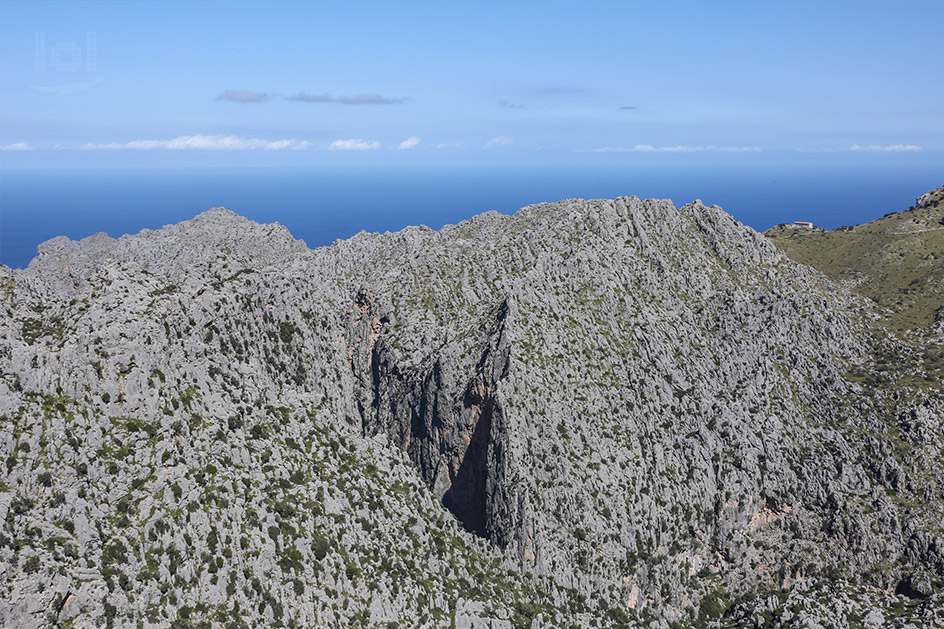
[205, 143]
[311, 98]
[354, 145]
[243, 96]
[648, 148]
[498, 142]
[368, 98]
[17, 146]
[870, 148]
[409, 143]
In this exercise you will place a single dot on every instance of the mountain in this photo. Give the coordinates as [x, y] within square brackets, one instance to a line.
[591, 413]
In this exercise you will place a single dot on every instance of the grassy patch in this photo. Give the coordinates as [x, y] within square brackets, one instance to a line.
[896, 261]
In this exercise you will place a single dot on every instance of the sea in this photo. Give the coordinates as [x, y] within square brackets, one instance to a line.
[323, 204]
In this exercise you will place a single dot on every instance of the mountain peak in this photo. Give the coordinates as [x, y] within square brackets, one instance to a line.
[214, 236]
[218, 214]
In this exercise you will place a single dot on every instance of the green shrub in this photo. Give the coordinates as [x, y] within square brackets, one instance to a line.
[320, 546]
[712, 607]
[286, 330]
[31, 565]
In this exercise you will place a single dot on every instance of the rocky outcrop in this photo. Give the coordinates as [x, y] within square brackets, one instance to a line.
[929, 199]
[606, 412]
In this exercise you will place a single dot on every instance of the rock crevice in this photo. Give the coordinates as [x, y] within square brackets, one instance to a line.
[455, 436]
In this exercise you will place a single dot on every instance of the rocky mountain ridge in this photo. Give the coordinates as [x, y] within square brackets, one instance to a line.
[591, 413]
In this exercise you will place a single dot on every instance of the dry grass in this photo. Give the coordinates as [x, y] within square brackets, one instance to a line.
[896, 261]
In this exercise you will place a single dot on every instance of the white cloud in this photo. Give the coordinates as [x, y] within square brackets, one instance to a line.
[891, 148]
[409, 143]
[448, 145]
[354, 145]
[204, 143]
[648, 148]
[294, 145]
[17, 146]
[870, 148]
[498, 141]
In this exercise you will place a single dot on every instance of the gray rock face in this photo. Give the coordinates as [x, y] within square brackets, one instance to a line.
[592, 413]
[932, 197]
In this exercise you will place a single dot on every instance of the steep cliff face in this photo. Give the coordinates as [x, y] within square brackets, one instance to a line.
[453, 430]
[600, 412]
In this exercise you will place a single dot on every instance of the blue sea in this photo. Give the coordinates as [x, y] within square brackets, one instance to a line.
[320, 205]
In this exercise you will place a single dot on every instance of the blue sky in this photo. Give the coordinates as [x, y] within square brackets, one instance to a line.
[220, 83]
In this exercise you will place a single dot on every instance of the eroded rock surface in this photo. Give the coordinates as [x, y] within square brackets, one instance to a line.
[601, 412]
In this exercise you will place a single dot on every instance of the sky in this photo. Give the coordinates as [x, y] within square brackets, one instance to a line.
[169, 82]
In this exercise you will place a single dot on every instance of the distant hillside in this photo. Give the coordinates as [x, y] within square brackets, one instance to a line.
[896, 261]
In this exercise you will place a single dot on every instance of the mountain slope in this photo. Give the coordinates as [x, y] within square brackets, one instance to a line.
[895, 261]
[592, 412]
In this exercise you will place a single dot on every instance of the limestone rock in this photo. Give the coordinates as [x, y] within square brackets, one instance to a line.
[592, 413]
